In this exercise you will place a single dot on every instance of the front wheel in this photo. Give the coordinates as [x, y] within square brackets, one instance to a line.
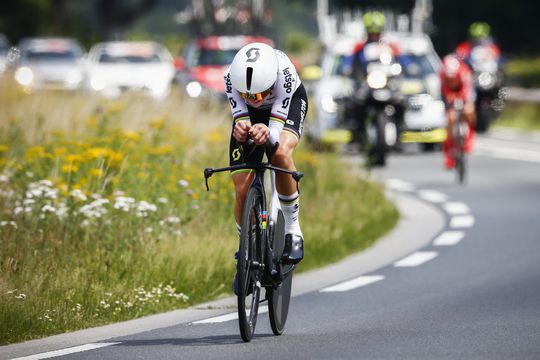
[377, 135]
[250, 260]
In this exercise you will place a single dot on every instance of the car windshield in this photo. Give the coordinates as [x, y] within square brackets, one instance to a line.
[128, 58]
[210, 57]
[417, 66]
[337, 68]
[68, 55]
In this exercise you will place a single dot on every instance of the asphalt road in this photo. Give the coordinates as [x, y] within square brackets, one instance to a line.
[471, 293]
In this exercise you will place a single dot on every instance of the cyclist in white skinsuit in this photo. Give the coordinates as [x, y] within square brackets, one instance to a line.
[268, 101]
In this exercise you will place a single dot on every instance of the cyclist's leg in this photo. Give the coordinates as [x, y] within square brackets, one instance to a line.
[242, 180]
[449, 161]
[286, 186]
[470, 115]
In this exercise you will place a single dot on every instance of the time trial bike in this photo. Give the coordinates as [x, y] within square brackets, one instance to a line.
[262, 240]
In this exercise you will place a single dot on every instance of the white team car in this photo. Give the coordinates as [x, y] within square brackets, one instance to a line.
[115, 67]
[424, 118]
[50, 63]
[331, 86]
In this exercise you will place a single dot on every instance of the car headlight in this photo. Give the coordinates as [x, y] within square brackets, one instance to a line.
[73, 77]
[97, 83]
[194, 89]
[24, 76]
[328, 104]
[377, 79]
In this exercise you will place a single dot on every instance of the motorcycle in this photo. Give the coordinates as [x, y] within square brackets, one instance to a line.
[488, 82]
[374, 112]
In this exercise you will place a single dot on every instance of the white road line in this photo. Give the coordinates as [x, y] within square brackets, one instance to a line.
[449, 238]
[227, 317]
[353, 284]
[71, 350]
[399, 185]
[509, 153]
[433, 196]
[462, 221]
[456, 208]
[416, 259]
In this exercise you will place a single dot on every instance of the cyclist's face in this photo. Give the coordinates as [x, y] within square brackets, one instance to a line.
[254, 103]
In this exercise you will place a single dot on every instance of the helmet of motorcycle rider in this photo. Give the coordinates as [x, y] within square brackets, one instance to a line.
[374, 22]
[479, 30]
[254, 70]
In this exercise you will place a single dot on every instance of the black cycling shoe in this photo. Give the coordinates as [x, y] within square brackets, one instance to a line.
[293, 252]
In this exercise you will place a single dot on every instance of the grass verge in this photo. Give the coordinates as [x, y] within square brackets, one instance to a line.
[520, 116]
[104, 216]
[524, 71]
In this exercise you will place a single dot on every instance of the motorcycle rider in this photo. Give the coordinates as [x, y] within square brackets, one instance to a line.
[356, 64]
[457, 84]
[479, 35]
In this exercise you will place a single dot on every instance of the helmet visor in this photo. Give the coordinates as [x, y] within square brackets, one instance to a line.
[258, 96]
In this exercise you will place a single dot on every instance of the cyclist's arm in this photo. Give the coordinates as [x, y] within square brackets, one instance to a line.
[287, 83]
[238, 106]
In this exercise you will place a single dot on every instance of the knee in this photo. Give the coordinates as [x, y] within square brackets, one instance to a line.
[283, 155]
[241, 186]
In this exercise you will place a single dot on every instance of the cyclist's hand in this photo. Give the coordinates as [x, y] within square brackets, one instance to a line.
[259, 133]
[241, 131]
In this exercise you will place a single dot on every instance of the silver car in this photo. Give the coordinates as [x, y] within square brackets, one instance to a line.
[50, 63]
[115, 67]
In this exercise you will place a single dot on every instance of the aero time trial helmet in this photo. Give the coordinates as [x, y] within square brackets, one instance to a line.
[254, 70]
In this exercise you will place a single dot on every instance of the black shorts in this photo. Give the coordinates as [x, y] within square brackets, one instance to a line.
[293, 124]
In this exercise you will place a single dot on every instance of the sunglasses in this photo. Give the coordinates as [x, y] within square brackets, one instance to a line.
[258, 96]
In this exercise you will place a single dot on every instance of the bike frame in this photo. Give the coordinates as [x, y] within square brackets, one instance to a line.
[273, 274]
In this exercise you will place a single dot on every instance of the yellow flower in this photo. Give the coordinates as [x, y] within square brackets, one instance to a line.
[161, 150]
[96, 172]
[132, 135]
[70, 168]
[74, 159]
[95, 153]
[115, 158]
[141, 175]
[4, 148]
[116, 106]
[157, 124]
[59, 151]
[37, 152]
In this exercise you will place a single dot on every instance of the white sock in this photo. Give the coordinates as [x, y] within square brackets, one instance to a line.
[290, 205]
[239, 229]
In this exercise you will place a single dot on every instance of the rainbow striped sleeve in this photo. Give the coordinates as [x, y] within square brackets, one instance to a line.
[277, 118]
[241, 117]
